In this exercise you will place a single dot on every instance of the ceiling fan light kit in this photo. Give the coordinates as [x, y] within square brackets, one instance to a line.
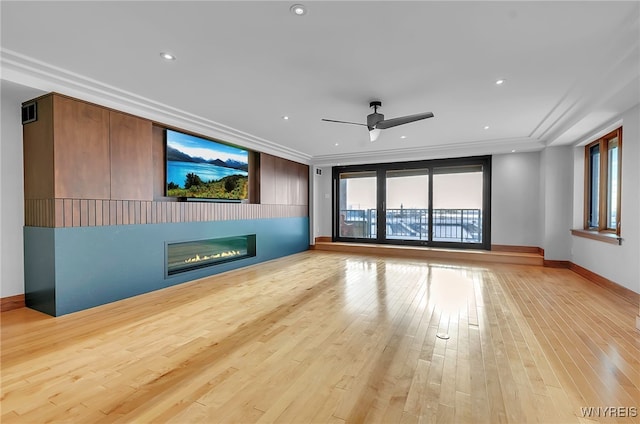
[374, 134]
[376, 122]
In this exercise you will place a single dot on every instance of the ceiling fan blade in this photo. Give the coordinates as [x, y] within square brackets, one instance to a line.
[393, 122]
[344, 122]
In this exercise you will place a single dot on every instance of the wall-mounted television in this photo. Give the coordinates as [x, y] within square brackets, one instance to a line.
[205, 169]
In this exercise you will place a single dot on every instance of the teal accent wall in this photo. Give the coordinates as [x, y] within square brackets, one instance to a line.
[82, 267]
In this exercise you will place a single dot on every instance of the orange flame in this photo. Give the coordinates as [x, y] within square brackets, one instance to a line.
[199, 258]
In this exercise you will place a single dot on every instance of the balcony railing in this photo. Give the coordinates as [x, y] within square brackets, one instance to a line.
[454, 225]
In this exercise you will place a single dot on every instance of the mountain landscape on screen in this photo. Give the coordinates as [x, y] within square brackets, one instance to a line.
[200, 168]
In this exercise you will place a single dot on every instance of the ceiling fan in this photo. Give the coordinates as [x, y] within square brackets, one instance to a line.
[376, 121]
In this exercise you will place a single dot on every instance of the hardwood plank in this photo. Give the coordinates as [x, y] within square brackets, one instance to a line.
[332, 337]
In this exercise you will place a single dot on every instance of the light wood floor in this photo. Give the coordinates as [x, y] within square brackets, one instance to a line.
[328, 337]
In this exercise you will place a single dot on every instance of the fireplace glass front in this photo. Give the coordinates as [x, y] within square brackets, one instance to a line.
[191, 255]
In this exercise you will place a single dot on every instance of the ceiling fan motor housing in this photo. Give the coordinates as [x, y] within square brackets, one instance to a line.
[375, 117]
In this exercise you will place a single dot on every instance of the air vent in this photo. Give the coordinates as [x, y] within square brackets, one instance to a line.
[29, 113]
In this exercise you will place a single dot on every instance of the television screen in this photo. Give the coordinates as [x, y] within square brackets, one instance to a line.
[200, 168]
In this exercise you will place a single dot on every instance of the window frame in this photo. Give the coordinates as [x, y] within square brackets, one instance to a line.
[430, 164]
[603, 184]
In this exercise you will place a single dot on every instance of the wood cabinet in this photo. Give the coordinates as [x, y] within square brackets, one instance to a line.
[78, 150]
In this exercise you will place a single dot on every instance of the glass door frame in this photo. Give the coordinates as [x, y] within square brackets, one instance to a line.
[381, 169]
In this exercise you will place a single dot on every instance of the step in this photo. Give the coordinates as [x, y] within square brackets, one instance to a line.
[419, 252]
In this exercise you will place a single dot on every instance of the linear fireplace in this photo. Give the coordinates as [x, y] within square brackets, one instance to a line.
[196, 254]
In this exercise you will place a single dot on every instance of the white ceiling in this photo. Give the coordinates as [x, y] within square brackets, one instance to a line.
[570, 68]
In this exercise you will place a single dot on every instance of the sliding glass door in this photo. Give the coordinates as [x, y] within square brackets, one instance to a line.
[407, 204]
[357, 205]
[433, 203]
[457, 204]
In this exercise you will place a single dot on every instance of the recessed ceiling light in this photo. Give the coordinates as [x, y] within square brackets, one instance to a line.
[336, 144]
[513, 151]
[403, 137]
[298, 9]
[285, 117]
[167, 56]
[486, 127]
[500, 81]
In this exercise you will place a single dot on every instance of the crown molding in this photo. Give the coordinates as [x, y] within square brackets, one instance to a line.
[590, 90]
[475, 148]
[24, 70]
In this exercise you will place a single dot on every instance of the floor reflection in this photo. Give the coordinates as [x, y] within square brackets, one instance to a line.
[449, 289]
[370, 284]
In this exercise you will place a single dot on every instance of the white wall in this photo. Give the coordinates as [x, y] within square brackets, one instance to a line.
[12, 188]
[321, 214]
[556, 165]
[620, 264]
[516, 209]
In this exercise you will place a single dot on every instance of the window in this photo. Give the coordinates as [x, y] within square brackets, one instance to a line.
[439, 203]
[603, 175]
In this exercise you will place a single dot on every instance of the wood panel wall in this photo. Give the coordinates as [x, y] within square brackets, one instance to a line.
[159, 163]
[267, 179]
[81, 150]
[57, 213]
[86, 165]
[283, 182]
[38, 153]
[131, 157]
